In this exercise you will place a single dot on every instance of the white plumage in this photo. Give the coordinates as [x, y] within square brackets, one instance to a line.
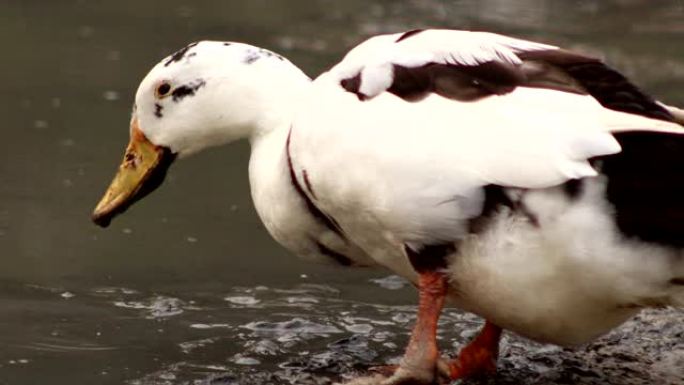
[355, 165]
[413, 173]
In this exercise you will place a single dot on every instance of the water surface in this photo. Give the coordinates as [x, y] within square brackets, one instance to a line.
[187, 287]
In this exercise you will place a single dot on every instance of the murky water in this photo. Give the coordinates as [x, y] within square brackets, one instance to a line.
[187, 287]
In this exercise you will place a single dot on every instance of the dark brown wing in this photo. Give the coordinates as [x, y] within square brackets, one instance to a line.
[458, 82]
[553, 69]
[560, 68]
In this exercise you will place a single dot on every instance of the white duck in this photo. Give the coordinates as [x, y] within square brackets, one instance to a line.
[533, 186]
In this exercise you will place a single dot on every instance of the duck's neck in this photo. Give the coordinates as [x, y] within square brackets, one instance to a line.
[276, 100]
[275, 200]
[273, 194]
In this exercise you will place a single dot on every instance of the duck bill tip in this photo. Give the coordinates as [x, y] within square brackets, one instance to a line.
[142, 170]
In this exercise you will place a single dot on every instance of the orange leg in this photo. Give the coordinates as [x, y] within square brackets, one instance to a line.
[419, 364]
[479, 356]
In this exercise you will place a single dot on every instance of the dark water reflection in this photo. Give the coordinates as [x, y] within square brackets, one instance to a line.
[171, 292]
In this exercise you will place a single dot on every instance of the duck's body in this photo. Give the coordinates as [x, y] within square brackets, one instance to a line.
[500, 166]
[567, 281]
[284, 212]
[556, 268]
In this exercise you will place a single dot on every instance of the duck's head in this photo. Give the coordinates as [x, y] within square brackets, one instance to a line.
[206, 94]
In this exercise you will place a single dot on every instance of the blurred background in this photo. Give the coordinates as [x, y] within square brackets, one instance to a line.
[187, 287]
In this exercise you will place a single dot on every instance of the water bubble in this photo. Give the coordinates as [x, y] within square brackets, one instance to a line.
[291, 328]
[390, 345]
[359, 328]
[189, 346]
[40, 124]
[113, 55]
[304, 300]
[392, 282]
[242, 300]
[167, 376]
[265, 347]
[156, 307]
[110, 96]
[286, 43]
[114, 290]
[68, 142]
[401, 318]
[85, 31]
[208, 326]
[241, 360]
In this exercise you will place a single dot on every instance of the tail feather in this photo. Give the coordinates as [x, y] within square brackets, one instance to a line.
[616, 121]
[646, 186]
[677, 113]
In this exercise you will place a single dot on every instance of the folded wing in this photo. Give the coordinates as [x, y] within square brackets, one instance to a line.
[415, 125]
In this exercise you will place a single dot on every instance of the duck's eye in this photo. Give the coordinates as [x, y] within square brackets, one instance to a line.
[163, 90]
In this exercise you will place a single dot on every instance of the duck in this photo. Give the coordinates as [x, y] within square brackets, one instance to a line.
[534, 186]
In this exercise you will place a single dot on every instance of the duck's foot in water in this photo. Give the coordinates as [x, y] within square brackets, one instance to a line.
[404, 375]
[398, 375]
[479, 357]
[421, 364]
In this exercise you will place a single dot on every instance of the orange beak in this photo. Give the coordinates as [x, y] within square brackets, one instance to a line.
[142, 170]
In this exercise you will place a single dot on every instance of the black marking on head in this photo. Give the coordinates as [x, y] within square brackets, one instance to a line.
[645, 185]
[158, 108]
[227, 44]
[408, 34]
[677, 281]
[187, 90]
[319, 215]
[255, 54]
[430, 258]
[338, 257]
[267, 53]
[608, 86]
[180, 54]
[251, 57]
